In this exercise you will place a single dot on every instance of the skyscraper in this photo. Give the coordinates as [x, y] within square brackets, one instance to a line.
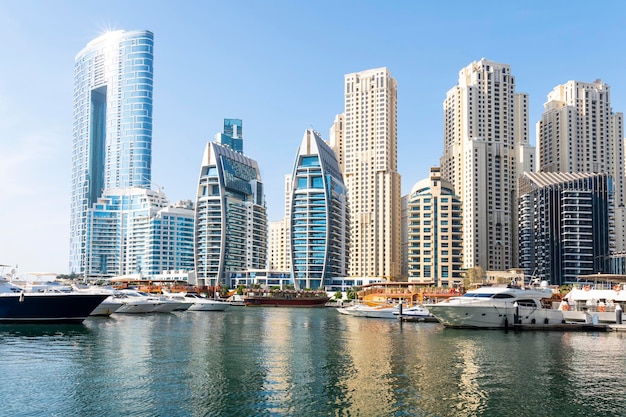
[370, 157]
[564, 225]
[486, 148]
[134, 230]
[112, 131]
[435, 228]
[319, 217]
[231, 218]
[579, 132]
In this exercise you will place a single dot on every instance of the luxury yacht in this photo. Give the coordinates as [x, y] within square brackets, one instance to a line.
[495, 307]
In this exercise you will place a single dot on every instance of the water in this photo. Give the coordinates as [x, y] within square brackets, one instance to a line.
[303, 362]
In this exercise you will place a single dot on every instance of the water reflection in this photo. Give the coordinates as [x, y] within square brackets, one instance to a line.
[290, 362]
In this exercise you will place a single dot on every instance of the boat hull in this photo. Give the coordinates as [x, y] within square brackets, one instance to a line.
[370, 312]
[109, 306]
[209, 305]
[48, 307]
[285, 302]
[490, 316]
[136, 307]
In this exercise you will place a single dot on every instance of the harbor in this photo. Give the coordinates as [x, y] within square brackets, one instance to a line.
[303, 362]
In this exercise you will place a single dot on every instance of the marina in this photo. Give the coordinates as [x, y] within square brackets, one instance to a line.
[304, 362]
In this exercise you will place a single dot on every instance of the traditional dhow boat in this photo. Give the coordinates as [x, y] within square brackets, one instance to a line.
[498, 307]
[20, 306]
[285, 298]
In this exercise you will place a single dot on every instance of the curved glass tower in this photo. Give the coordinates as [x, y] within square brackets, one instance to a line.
[230, 219]
[112, 132]
[319, 216]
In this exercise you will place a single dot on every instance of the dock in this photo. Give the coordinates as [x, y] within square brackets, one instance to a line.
[566, 327]
[419, 319]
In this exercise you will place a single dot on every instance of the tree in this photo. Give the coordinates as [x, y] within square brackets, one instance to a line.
[338, 295]
[352, 293]
[473, 276]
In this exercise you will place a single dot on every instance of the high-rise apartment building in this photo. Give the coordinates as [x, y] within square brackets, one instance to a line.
[319, 217]
[435, 233]
[231, 218]
[112, 132]
[579, 132]
[277, 246]
[135, 230]
[486, 148]
[565, 225]
[370, 173]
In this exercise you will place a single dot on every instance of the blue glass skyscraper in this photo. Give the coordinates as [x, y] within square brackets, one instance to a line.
[112, 132]
[319, 216]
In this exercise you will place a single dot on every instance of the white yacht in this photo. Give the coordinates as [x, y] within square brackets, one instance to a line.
[415, 311]
[178, 298]
[205, 304]
[135, 302]
[384, 311]
[109, 306]
[497, 307]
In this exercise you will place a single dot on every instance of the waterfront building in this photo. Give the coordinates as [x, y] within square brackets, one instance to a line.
[579, 132]
[134, 230]
[404, 240]
[369, 145]
[486, 148]
[230, 216]
[565, 225]
[112, 127]
[278, 244]
[318, 216]
[435, 233]
[265, 278]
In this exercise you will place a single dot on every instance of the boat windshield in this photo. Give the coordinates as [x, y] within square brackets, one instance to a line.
[478, 295]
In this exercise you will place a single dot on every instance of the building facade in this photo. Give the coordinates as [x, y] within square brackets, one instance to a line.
[579, 132]
[230, 216]
[486, 148]
[435, 233]
[112, 128]
[134, 230]
[277, 247]
[565, 225]
[369, 146]
[318, 216]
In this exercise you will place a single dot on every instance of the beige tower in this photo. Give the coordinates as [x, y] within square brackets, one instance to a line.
[369, 161]
[486, 148]
[579, 132]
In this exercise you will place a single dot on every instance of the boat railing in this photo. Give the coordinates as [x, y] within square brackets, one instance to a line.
[600, 307]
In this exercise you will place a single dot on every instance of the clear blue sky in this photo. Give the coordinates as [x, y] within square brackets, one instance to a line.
[279, 66]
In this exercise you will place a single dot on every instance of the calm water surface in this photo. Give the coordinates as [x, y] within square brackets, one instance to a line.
[294, 362]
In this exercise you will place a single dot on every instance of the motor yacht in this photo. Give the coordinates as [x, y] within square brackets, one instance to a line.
[205, 304]
[384, 311]
[20, 306]
[416, 312]
[136, 303]
[497, 307]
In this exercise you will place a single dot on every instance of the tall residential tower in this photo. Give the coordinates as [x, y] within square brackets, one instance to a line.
[368, 152]
[486, 148]
[318, 216]
[112, 132]
[579, 132]
[231, 219]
